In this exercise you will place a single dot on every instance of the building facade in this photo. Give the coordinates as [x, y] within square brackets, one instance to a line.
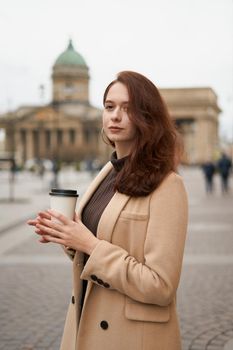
[69, 128]
[196, 112]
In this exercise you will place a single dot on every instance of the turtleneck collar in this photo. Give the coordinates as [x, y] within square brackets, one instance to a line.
[117, 163]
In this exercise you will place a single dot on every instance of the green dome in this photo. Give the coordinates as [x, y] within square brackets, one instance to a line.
[70, 57]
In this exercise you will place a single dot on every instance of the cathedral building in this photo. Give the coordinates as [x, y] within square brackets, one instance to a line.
[69, 127]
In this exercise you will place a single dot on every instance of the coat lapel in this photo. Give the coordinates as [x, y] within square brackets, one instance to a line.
[110, 215]
[107, 222]
[79, 256]
[93, 186]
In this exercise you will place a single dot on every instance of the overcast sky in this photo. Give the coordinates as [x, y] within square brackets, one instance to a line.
[175, 43]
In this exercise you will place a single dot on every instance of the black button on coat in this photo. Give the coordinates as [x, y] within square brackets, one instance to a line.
[104, 325]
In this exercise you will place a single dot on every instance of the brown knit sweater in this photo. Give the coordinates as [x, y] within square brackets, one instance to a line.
[94, 208]
[101, 197]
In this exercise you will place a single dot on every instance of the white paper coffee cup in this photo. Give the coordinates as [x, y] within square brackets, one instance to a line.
[64, 201]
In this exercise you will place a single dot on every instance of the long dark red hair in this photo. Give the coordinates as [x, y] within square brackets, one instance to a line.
[155, 152]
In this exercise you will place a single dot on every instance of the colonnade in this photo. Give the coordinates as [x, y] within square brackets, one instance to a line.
[45, 143]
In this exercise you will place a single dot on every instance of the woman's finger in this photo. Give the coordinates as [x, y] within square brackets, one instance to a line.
[53, 239]
[43, 240]
[45, 215]
[32, 222]
[39, 232]
[59, 216]
[49, 230]
[56, 226]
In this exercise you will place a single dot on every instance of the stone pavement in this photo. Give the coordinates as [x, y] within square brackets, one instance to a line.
[205, 297]
[35, 279]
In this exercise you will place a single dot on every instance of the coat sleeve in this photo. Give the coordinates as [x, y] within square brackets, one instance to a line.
[70, 252]
[155, 280]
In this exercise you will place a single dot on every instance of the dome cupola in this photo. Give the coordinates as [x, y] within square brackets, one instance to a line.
[70, 77]
[70, 57]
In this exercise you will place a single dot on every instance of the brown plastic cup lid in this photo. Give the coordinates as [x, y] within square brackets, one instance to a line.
[61, 192]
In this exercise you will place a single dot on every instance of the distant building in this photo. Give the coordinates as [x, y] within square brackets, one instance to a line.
[69, 127]
[196, 112]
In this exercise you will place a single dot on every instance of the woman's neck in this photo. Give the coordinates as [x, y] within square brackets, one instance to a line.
[122, 150]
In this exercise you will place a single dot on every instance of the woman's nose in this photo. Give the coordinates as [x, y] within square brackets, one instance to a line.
[116, 115]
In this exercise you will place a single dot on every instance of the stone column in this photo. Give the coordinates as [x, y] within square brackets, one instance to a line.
[65, 147]
[53, 142]
[24, 148]
[9, 140]
[18, 149]
[203, 141]
[35, 137]
[43, 152]
[29, 144]
[79, 138]
[66, 138]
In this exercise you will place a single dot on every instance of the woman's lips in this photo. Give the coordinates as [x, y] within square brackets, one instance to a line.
[115, 128]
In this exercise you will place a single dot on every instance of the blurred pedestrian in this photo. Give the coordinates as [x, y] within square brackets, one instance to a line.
[41, 168]
[224, 167]
[55, 171]
[209, 171]
[127, 239]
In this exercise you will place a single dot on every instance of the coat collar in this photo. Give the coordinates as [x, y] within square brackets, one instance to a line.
[110, 216]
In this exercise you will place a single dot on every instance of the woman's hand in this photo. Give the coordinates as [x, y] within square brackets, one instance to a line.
[35, 221]
[72, 234]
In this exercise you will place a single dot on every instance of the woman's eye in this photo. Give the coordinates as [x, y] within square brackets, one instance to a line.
[108, 107]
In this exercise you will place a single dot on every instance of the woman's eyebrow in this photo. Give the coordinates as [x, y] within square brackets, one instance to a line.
[123, 103]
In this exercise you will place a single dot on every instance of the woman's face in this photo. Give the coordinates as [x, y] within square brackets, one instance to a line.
[116, 123]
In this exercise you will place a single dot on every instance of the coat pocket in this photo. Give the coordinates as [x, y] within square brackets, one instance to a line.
[146, 312]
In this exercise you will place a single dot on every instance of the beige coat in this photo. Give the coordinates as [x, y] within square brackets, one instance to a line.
[133, 273]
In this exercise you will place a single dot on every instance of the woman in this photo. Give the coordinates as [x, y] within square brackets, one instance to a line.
[127, 239]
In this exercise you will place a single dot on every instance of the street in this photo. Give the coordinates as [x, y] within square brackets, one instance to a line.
[35, 279]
